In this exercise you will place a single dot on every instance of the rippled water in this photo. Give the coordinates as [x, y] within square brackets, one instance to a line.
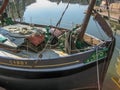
[46, 12]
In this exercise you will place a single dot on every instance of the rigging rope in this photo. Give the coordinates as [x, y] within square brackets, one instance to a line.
[97, 63]
[104, 66]
[58, 23]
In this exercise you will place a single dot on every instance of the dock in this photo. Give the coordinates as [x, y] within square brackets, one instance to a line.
[114, 16]
[112, 11]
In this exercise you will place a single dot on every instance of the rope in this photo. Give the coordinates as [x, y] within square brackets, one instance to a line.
[58, 23]
[97, 63]
[43, 49]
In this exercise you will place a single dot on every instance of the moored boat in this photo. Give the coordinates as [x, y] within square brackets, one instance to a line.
[50, 57]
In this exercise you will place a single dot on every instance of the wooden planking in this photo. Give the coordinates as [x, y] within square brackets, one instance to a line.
[92, 40]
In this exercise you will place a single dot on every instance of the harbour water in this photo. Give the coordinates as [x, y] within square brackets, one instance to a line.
[49, 12]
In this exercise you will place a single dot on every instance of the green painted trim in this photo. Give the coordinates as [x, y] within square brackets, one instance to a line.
[101, 54]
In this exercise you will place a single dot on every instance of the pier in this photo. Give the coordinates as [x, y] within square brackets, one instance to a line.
[112, 11]
[113, 16]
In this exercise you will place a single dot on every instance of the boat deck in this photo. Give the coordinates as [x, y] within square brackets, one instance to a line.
[16, 34]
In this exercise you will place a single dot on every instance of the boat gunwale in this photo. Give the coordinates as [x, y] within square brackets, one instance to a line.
[36, 60]
[48, 73]
[75, 54]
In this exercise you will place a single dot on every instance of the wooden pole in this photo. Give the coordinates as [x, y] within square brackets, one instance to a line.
[107, 3]
[86, 20]
[4, 5]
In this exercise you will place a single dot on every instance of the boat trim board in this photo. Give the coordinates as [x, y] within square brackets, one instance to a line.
[48, 73]
[102, 53]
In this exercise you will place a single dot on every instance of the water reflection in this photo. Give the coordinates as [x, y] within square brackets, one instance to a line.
[47, 11]
[82, 2]
[50, 12]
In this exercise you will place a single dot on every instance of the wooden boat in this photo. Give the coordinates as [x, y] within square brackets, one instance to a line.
[81, 62]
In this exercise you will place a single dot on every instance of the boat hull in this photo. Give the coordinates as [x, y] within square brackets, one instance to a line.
[79, 78]
[71, 72]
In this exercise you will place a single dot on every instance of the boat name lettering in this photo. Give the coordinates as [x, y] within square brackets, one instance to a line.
[15, 62]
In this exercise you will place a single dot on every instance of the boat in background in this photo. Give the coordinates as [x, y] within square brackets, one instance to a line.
[45, 57]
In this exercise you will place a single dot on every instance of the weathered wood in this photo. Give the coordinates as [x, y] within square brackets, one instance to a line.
[106, 28]
[3, 6]
[86, 20]
[113, 16]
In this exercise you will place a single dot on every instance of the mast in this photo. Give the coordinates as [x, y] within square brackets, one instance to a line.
[4, 5]
[81, 32]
